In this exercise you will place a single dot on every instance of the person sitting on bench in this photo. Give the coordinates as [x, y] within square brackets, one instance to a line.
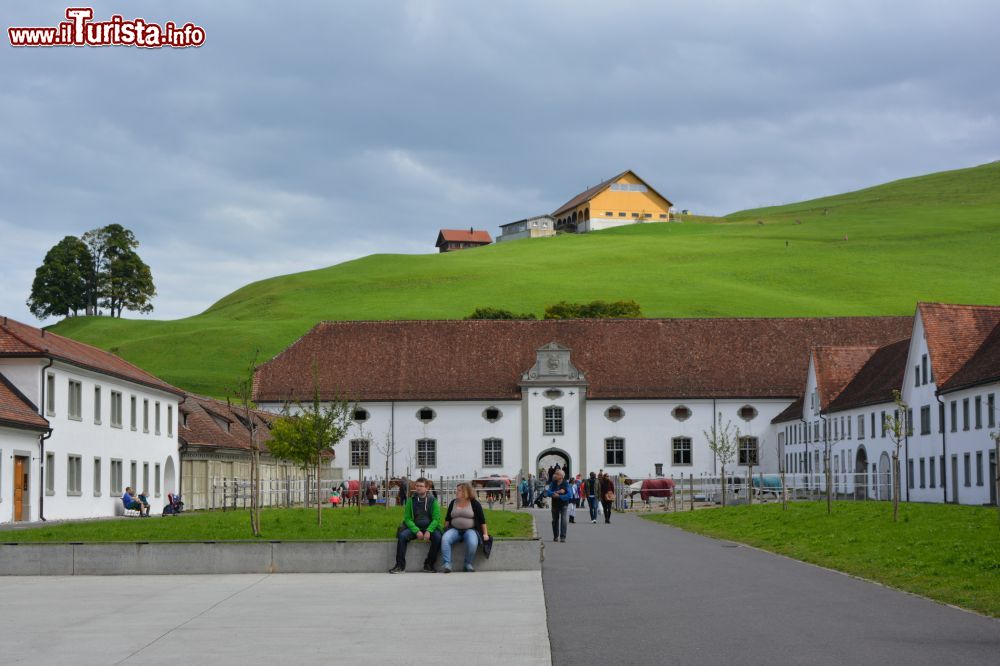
[132, 504]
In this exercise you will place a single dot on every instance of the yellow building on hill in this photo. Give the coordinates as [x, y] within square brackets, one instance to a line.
[624, 199]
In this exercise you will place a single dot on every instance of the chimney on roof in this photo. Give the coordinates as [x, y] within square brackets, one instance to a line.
[470, 230]
[5, 320]
[43, 332]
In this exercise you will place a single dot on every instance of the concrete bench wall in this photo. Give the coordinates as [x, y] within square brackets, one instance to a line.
[234, 557]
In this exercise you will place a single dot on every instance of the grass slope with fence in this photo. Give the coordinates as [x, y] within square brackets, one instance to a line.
[871, 252]
[946, 552]
[296, 524]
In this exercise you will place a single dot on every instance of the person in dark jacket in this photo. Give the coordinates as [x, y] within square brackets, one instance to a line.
[607, 496]
[466, 522]
[421, 520]
[592, 491]
[558, 490]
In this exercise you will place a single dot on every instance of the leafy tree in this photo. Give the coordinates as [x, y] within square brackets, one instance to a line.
[594, 310]
[497, 313]
[61, 282]
[722, 441]
[305, 434]
[120, 280]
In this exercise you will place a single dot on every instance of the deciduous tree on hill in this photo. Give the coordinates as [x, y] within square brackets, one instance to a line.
[498, 313]
[594, 310]
[61, 285]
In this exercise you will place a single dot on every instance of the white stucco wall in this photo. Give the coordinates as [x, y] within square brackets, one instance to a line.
[89, 440]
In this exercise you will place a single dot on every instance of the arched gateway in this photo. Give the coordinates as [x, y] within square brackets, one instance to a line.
[550, 457]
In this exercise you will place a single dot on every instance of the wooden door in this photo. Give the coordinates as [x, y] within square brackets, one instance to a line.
[20, 487]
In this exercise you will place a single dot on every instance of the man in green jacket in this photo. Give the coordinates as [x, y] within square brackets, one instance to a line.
[421, 520]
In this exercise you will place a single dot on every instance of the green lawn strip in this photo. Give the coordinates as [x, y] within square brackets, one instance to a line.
[844, 252]
[945, 552]
[276, 525]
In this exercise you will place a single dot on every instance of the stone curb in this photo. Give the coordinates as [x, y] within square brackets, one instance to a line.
[239, 557]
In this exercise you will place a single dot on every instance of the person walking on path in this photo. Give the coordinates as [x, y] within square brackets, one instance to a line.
[421, 520]
[465, 521]
[522, 488]
[592, 489]
[607, 496]
[558, 490]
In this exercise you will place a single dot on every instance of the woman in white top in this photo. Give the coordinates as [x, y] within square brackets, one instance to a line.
[466, 522]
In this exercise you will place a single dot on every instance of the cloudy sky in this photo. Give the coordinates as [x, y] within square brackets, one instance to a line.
[306, 133]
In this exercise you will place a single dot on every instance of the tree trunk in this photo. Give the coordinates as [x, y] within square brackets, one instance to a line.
[784, 492]
[895, 487]
[749, 485]
[319, 504]
[827, 476]
[723, 486]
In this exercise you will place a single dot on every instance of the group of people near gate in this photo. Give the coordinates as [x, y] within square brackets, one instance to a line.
[464, 521]
[569, 494]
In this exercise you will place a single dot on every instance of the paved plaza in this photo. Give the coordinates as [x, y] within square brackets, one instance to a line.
[490, 618]
[641, 593]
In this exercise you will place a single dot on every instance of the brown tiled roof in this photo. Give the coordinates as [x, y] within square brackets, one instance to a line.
[203, 430]
[836, 367]
[16, 410]
[592, 192]
[954, 334]
[21, 340]
[877, 378]
[621, 358]
[983, 367]
[791, 413]
[463, 236]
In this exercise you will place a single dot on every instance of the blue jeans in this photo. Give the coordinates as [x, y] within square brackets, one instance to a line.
[453, 536]
[592, 503]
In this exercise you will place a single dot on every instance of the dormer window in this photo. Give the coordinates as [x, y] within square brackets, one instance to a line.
[360, 415]
[614, 413]
[426, 414]
[747, 413]
[681, 413]
[492, 414]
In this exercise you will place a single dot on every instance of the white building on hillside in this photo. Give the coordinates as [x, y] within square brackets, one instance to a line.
[103, 424]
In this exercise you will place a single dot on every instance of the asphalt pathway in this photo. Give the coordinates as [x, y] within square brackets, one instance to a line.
[641, 593]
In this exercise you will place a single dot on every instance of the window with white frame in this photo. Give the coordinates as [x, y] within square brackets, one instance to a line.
[170, 420]
[492, 452]
[145, 477]
[50, 474]
[156, 479]
[681, 450]
[145, 416]
[133, 477]
[74, 475]
[156, 417]
[426, 453]
[116, 409]
[50, 395]
[748, 454]
[97, 405]
[74, 409]
[861, 426]
[116, 486]
[552, 421]
[133, 418]
[97, 477]
[359, 453]
[614, 452]
[426, 414]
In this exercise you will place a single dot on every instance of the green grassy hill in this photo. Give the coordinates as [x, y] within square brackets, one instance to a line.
[874, 251]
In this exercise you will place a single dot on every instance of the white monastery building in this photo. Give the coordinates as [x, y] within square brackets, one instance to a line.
[78, 425]
[637, 396]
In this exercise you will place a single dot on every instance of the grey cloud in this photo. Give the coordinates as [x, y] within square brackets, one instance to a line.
[303, 134]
